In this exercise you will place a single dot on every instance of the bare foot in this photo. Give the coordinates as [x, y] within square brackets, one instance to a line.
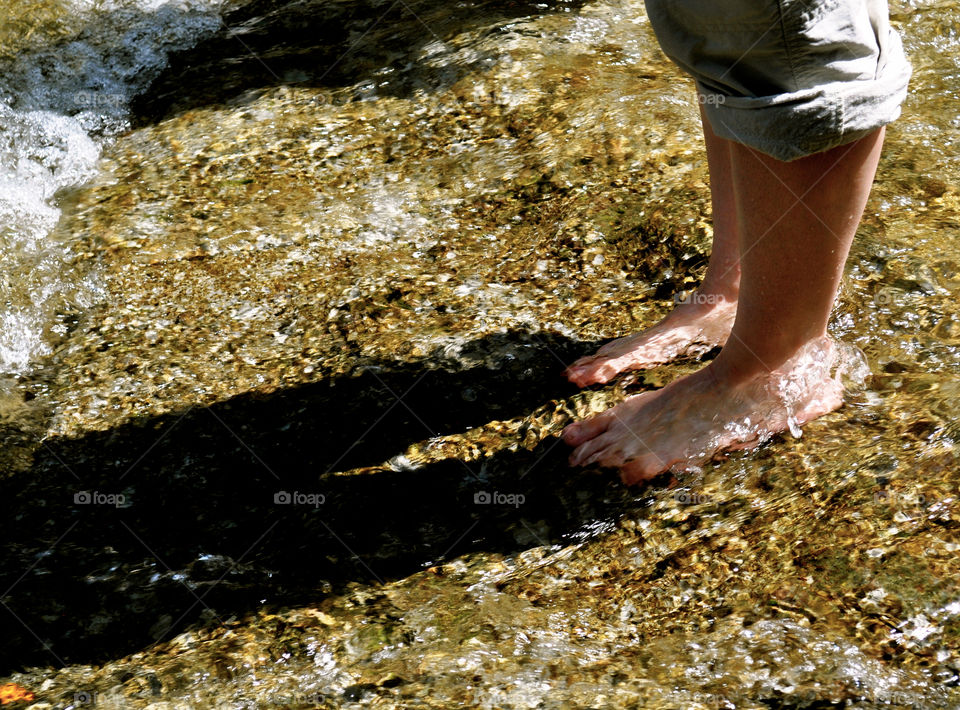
[696, 326]
[684, 424]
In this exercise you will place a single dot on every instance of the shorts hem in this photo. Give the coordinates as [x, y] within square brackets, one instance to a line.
[796, 124]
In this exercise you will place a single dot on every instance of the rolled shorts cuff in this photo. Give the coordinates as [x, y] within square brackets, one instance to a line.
[787, 77]
[795, 124]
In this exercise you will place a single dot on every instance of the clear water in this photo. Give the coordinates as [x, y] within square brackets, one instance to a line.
[69, 72]
[492, 171]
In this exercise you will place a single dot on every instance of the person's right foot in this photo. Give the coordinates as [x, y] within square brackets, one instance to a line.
[694, 327]
[693, 418]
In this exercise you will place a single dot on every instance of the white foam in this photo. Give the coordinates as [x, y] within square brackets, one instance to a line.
[59, 104]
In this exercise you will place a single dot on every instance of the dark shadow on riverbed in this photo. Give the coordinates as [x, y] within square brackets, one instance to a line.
[319, 43]
[205, 532]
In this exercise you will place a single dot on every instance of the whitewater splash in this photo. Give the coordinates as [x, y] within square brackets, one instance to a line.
[60, 104]
[809, 384]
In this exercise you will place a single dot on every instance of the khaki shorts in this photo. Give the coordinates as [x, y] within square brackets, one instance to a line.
[789, 77]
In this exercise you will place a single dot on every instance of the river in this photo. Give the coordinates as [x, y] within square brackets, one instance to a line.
[289, 287]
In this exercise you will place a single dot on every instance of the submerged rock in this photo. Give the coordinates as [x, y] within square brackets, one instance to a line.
[303, 450]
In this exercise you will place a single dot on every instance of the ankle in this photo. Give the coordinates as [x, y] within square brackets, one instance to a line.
[720, 293]
[738, 363]
[729, 372]
[705, 299]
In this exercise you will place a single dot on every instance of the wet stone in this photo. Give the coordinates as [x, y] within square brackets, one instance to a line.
[301, 448]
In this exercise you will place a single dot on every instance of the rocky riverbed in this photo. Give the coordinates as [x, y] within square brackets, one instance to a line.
[295, 443]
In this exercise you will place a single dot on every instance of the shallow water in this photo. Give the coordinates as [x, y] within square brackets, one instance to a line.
[343, 259]
[69, 72]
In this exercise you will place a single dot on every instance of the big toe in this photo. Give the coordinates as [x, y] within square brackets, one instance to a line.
[596, 371]
[581, 372]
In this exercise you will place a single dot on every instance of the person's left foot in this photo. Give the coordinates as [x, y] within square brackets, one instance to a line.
[693, 418]
[693, 328]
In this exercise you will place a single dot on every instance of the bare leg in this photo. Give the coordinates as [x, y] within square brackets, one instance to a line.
[704, 320]
[796, 221]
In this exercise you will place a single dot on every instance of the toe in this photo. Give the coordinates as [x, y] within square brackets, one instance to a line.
[578, 376]
[579, 432]
[586, 361]
[612, 367]
[590, 451]
[609, 455]
[605, 371]
[584, 372]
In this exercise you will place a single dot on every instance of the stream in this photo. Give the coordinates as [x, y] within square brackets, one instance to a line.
[289, 287]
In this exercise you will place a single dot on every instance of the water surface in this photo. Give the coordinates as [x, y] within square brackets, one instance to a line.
[345, 250]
